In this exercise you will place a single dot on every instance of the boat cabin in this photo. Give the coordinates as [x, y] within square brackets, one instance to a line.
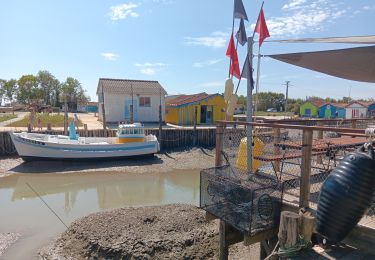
[128, 133]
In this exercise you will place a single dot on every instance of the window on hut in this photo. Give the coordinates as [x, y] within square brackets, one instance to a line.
[144, 101]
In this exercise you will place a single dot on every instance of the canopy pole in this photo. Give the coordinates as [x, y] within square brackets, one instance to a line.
[249, 105]
[257, 83]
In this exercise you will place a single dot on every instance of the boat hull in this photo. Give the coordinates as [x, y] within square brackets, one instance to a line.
[31, 149]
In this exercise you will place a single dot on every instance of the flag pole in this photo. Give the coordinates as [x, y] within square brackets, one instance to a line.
[257, 83]
[249, 54]
[249, 106]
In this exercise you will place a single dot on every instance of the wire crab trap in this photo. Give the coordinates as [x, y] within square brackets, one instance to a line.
[251, 204]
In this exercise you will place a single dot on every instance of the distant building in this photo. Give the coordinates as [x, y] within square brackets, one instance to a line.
[90, 107]
[357, 109]
[118, 95]
[180, 109]
[371, 110]
[332, 110]
[239, 109]
[311, 108]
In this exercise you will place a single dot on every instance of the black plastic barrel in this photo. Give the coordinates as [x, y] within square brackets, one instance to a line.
[346, 194]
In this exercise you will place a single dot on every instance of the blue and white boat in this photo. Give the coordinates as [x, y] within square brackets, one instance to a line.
[130, 141]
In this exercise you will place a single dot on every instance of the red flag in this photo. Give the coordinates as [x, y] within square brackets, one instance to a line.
[261, 28]
[232, 54]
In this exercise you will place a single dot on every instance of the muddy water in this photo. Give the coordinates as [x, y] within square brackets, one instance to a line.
[75, 195]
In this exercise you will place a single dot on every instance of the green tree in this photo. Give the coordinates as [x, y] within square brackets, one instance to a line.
[28, 90]
[48, 84]
[10, 89]
[270, 100]
[2, 90]
[74, 94]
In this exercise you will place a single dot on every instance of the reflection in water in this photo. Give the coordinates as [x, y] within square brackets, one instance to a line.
[113, 189]
[75, 195]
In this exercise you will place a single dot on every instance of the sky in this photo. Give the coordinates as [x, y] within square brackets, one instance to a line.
[180, 43]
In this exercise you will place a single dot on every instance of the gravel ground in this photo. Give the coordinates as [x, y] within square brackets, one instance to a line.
[195, 158]
[6, 240]
[166, 232]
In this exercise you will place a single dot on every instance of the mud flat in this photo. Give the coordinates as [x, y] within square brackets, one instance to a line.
[196, 158]
[6, 240]
[173, 231]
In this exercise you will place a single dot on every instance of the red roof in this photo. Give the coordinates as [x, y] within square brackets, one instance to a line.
[363, 103]
[179, 100]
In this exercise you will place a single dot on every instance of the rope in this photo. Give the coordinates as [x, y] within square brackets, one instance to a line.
[292, 251]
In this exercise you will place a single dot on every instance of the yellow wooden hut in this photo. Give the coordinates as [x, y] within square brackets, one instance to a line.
[180, 109]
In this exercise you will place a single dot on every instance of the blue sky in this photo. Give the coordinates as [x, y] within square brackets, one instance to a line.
[180, 43]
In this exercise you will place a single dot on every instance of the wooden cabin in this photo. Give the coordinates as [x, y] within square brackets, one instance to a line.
[209, 108]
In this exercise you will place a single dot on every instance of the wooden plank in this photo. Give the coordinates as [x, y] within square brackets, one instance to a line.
[306, 168]
[249, 240]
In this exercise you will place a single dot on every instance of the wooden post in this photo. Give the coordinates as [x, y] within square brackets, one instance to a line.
[306, 168]
[307, 227]
[195, 126]
[320, 137]
[289, 229]
[276, 148]
[223, 246]
[86, 130]
[49, 127]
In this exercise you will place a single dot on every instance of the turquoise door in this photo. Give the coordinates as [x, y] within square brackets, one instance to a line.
[308, 112]
[127, 114]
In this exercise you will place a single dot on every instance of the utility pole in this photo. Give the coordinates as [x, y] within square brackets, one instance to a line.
[286, 95]
[160, 121]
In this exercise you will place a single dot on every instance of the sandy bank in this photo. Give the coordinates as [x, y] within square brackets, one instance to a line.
[166, 232]
[195, 158]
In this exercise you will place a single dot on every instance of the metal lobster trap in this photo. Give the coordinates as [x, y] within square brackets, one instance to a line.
[250, 203]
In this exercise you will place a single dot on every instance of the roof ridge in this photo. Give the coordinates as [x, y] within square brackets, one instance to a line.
[135, 80]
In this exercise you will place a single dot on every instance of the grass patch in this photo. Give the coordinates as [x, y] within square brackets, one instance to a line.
[6, 117]
[53, 119]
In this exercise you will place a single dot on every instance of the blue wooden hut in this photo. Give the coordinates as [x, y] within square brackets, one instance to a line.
[332, 110]
[371, 110]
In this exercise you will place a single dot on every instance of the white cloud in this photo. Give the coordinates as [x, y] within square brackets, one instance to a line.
[206, 63]
[301, 16]
[151, 68]
[293, 4]
[215, 40]
[120, 12]
[368, 7]
[110, 56]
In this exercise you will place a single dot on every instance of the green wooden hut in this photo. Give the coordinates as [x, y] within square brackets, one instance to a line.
[311, 108]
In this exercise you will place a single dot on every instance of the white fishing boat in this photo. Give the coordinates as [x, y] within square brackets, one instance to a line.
[130, 141]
